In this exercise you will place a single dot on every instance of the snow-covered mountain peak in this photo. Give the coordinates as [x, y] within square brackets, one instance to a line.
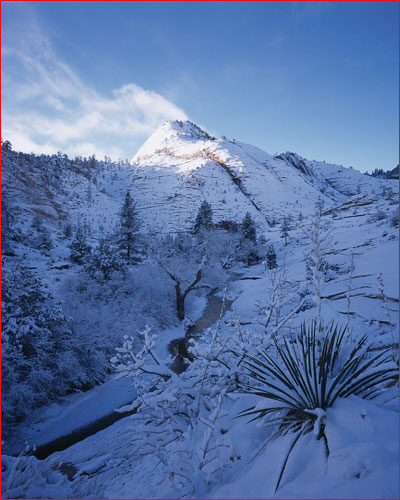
[170, 133]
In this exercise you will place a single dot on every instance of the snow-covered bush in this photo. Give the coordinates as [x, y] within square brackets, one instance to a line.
[39, 359]
[26, 477]
[394, 221]
[299, 380]
[283, 301]
[181, 422]
[80, 250]
[104, 261]
[316, 265]
[379, 215]
[103, 312]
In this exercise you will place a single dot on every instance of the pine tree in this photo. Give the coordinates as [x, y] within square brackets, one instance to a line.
[204, 219]
[67, 230]
[7, 224]
[127, 233]
[271, 257]
[103, 261]
[80, 250]
[248, 228]
[285, 229]
[37, 223]
[44, 241]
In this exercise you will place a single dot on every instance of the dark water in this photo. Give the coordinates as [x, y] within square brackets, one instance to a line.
[63, 442]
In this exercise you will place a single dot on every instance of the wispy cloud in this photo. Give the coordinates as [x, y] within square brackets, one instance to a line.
[48, 108]
[302, 11]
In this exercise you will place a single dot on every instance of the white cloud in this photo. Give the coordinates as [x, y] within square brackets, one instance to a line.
[48, 108]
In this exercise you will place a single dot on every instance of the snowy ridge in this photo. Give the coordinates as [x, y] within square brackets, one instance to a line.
[180, 165]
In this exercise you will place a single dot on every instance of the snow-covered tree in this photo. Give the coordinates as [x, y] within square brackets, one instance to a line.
[271, 257]
[42, 240]
[187, 263]
[103, 261]
[38, 358]
[186, 271]
[204, 219]
[128, 231]
[248, 228]
[80, 250]
[181, 421]
[224, 248]
[285, 228]
[320, 241]
[7, 224]
[67, 230]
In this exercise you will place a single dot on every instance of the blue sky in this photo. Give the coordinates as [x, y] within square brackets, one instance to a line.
[317, 78]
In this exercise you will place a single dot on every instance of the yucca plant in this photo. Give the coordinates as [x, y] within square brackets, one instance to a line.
[301, 378]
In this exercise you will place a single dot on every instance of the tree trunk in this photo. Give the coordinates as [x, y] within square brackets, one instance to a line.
[181, 296]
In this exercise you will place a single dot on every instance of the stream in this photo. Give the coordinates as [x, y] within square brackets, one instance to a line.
[59, 444]
[178, 347]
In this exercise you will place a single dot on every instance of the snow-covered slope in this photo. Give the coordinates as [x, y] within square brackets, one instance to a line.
[180, 165]
[63, 191]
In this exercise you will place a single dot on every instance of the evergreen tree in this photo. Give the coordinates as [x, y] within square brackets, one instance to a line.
[6, 145]
[67, 231]
[103, 261]
[204, 219]
[37, 223]
[271, 257]
[127, 233]
[7, 224]
[248, 228]
[37, 359]
[285, 227]
[80, 250]
[44, 241]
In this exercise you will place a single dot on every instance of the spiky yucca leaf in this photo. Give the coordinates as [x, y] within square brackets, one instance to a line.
[299, 380]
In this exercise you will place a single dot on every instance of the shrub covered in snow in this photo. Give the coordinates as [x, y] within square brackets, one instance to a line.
[181, 423]
[39, 359]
